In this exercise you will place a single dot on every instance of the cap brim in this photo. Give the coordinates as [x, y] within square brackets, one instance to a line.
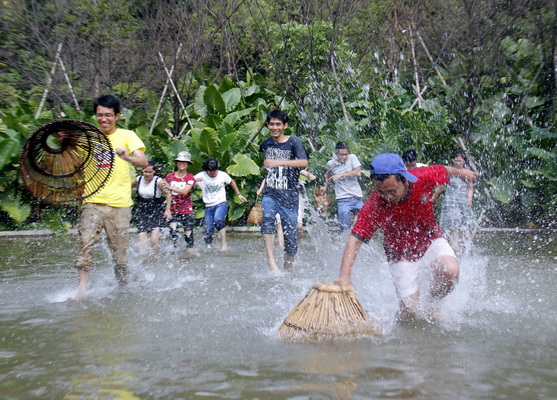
[410, 177]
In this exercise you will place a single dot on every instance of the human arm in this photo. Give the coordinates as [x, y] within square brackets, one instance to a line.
[462, 173]
[437, 192]
[261, 187]
[237, 191]
[355, 172]
[167, 213]
[137, 158]
[349, 256]
[298, 163]
[470, 194]
[183, 191]
[308, 174]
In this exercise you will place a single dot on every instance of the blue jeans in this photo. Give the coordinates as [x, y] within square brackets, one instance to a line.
[289, 221]
[214, 219]
[346, 207]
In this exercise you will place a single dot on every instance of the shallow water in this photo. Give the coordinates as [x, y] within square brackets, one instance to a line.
[206, 326]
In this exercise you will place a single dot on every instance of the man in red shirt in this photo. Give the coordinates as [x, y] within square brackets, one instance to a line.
[401, 207]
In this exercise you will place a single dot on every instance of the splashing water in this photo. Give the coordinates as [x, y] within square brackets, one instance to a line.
[206, 325]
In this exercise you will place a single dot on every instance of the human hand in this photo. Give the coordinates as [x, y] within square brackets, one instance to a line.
[242, 198]
[61, 135]
[469, 175]
[123, 153]
[336, 177]
[269, 163]
[343, 281]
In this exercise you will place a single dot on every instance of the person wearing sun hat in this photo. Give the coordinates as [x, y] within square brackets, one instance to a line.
[401, 206]
[179, 208]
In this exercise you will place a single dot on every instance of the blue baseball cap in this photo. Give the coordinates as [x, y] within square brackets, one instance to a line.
[390, 164]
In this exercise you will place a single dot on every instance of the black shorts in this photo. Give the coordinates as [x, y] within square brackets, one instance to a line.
[186, 220]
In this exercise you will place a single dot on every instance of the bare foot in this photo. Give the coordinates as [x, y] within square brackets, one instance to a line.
[224, 248]
[288, 261]
[435, 314]
[274, 268]
[81, 293]
[405, 316]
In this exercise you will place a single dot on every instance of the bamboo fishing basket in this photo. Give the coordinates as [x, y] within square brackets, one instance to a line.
[255, 216]
[323, 200]
[65, 161]
[328, 311]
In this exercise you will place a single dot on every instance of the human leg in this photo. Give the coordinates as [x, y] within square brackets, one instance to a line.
[343, 206]
[187, 222]
[90, 228]
[173, 226]
[83, 280]
[355, 208]
[117, 225]
[280, 233]
[268, 230]
[446, 271]
[408, 309]
[301, 208]
[142, 241]
[209, 224]
[155, 240]
[405, 279]
[289, 221]
[220, 215]
[347, 207]
[443, 268]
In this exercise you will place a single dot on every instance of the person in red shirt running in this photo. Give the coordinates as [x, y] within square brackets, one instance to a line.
[179, 207]
[401, 207]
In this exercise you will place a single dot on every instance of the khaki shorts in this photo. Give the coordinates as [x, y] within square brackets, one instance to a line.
[407, 274]
[115, 221]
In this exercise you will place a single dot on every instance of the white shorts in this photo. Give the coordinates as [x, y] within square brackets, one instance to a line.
[406, 274]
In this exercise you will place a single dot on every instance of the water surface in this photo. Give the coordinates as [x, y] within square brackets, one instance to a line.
[206, 326]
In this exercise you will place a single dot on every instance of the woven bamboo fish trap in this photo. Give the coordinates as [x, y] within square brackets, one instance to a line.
[65, 161]
[255, 216]
[323, 200]
[328, 311]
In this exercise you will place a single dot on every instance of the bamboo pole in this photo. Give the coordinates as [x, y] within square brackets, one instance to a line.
[430, 58]
[175, 89]
[163, 95]
[49, 81]
[69, 83]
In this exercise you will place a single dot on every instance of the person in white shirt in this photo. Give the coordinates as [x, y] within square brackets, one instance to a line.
[344, 170]
[149, 206]
[213, 186]
[410, 158]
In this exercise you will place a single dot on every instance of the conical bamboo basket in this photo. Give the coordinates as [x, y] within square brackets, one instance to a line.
[69, 169]
[328, 311]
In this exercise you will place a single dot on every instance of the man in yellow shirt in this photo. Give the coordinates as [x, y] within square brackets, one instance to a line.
[110, 208]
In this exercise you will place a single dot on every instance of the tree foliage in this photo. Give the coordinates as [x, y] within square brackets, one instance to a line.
[383, 75]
